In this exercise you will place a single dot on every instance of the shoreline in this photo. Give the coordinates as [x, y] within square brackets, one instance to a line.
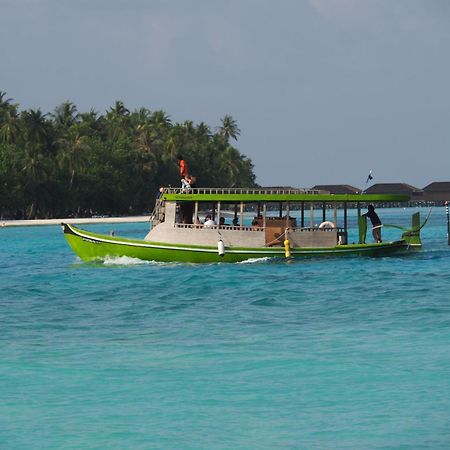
[72, 220]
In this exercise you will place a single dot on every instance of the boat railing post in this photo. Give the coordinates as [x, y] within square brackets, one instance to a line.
[241, 219]
[287, 215]
[311, 215]
[448, 223]
[303, 215]
[345, 219]
[195, 212]
[218, 213]
[264, 214]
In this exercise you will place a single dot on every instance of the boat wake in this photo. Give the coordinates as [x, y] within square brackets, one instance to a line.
[129, 261]
[255, 260]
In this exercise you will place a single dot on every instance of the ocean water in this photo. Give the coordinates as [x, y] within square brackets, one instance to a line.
[313, 354]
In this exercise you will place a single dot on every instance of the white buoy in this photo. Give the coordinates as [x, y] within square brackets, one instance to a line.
[221, 248]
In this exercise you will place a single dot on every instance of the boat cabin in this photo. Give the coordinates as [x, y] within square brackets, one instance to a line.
[254, 217]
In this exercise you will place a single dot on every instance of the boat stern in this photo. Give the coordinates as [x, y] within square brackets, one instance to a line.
[412, 236]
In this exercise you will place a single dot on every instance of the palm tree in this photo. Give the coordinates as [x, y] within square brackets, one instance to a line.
[231, 161]
[188, 128]
[5, 103]
[65, 115]
[36, 172]
[146, 148]
[229, 128]
[160, 119]
[159, 128]
[203, 132]
[118, 110]
[117, 120]
[140, 117]
[89, 122]
[36, 126]
[170, 147]
[73, 154]
[9, 124]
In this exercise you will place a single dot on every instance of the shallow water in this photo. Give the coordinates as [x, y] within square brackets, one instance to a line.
[316, 353]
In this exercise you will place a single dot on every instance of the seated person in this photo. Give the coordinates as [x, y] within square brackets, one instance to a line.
[209, 222]
[255, 224]
[186, 184]
[222, 221]
[235, 222]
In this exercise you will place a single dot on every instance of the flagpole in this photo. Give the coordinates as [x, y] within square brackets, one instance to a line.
[369, 177]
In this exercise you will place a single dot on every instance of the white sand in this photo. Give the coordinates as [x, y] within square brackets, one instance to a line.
[24, 223]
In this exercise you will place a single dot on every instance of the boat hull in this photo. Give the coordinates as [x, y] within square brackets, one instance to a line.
[92, 246]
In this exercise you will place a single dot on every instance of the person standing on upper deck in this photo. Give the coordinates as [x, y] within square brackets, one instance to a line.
[184, 170]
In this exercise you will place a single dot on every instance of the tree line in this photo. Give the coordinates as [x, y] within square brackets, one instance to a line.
[71, 163]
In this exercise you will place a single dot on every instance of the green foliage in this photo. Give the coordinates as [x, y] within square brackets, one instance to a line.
[72, 163]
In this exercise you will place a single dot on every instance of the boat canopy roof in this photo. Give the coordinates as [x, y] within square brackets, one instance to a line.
[249, 195]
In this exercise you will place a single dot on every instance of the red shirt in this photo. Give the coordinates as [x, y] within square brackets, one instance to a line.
[183, 168]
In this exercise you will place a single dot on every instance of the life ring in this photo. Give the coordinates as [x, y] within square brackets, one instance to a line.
[327, 224]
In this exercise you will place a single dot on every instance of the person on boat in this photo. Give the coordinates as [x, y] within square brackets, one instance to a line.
[376, 223]
[235, 222]
[160, 192]
[186, 184]
[255, 224]
[222, 221]
[209, 222]
[184, 171]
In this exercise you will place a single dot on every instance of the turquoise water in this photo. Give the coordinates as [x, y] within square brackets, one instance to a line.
[314, 354]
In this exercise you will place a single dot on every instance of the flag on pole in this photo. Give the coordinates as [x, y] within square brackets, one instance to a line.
[369, 177]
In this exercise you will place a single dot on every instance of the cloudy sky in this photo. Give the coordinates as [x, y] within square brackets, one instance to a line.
[322, 90]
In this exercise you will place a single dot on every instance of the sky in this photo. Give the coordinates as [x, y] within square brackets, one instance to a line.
[322, 90]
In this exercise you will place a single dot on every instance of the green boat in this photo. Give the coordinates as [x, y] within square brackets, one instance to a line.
[283, 226]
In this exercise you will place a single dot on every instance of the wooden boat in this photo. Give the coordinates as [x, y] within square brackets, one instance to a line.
[284, 226]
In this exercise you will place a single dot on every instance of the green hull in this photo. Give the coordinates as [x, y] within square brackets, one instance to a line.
[92, 246]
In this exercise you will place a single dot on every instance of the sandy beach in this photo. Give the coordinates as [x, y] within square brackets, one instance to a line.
[37, 222]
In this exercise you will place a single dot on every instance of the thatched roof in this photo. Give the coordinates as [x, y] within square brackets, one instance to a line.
[438, 186]
[281, 188]
[337, 188]
[393, 188]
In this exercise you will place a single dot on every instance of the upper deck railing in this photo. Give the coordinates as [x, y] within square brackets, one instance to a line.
[261, 191]
[270, 194]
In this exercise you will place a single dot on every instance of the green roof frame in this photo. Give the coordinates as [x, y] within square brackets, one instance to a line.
[306, 197]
